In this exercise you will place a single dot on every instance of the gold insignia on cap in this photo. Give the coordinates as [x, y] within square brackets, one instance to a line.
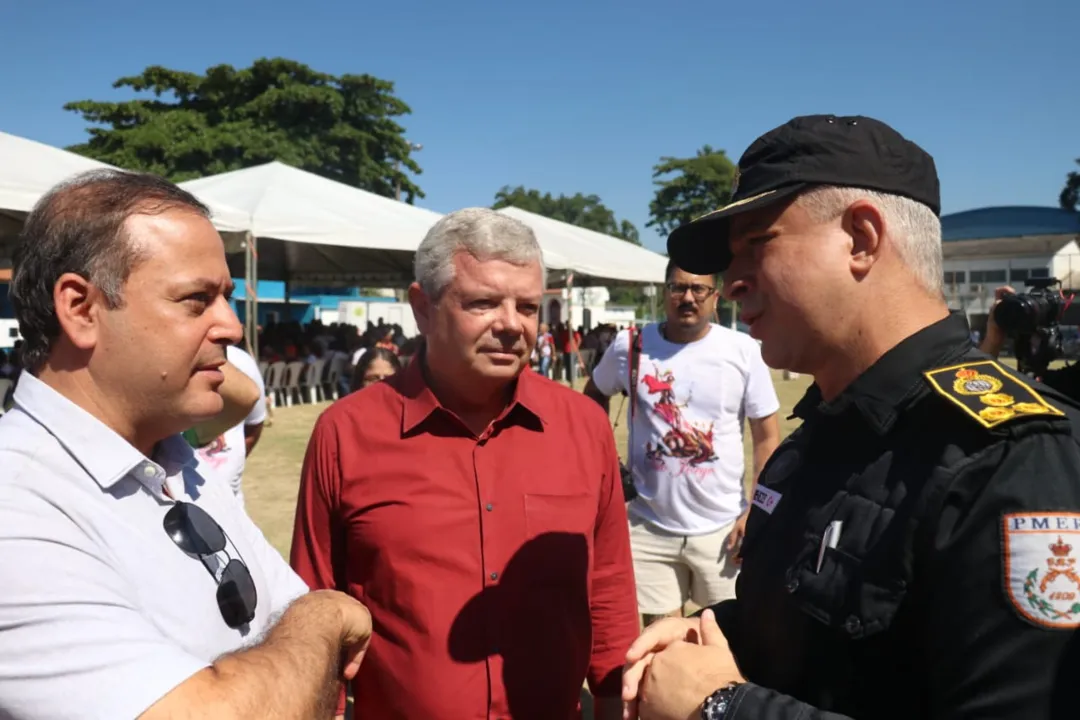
[988, 393]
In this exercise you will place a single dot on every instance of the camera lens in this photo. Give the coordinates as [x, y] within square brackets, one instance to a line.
[1024, 314]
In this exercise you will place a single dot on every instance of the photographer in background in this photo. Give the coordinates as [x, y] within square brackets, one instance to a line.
[1065, 380]
[696, 385]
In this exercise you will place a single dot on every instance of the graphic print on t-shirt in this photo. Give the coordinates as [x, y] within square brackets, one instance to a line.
[685, 441]
[216, 453]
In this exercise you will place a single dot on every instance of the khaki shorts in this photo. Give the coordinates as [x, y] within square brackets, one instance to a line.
[670, 569]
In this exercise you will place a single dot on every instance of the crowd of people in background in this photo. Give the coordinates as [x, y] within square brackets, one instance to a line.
[558, 357]
[370, 354]
[380, 349]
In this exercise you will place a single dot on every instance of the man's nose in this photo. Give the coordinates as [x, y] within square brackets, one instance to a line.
[227, 327]
[508, 320]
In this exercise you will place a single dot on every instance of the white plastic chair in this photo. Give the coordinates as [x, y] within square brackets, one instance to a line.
[292, 382]
[5, 387]
[275, 382]
[312, 382]
[333, 378]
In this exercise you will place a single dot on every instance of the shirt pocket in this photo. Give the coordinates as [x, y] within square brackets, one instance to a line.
[559, 529]
[863, 580]
[555, 513]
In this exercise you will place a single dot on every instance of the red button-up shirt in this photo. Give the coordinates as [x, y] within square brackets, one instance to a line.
[496, 568]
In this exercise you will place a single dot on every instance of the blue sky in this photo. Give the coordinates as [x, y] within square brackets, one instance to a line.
[586, 96]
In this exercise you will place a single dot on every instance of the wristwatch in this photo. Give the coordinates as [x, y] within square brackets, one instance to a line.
[716, 705]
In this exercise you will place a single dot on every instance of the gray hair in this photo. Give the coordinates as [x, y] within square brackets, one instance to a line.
[481, 232]
[915, 229]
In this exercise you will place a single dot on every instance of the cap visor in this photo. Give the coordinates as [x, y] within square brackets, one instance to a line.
[701, 245]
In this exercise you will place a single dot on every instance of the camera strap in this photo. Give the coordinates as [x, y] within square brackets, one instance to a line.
[633, 360]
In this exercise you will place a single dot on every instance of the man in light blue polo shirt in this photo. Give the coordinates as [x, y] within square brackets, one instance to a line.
[130, 586]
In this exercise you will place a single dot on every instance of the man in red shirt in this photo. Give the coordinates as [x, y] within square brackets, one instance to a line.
[474, 506]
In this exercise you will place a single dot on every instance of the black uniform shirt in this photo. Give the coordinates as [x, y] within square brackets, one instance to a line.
[952, 590]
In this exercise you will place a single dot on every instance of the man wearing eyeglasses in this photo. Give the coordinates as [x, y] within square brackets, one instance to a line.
[694, 385]
[131, 585]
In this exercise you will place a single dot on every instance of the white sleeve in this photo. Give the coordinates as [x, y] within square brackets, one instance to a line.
[759, 399]
[250, 367]
[612, 373]
[73, 641]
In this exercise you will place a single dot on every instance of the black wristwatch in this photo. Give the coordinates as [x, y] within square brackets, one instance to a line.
[716, 705]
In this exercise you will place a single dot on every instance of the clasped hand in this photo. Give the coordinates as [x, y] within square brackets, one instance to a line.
[674, 666]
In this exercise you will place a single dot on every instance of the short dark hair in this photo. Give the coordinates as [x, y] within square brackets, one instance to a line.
[672, 267]
[78, 227]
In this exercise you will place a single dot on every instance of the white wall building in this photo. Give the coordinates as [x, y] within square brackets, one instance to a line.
[583, 303]
[990, 247]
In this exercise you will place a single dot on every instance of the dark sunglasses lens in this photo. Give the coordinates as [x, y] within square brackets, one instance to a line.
[236, 595]
[193, 530]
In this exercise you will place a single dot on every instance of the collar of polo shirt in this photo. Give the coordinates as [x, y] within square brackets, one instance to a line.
[105, 456]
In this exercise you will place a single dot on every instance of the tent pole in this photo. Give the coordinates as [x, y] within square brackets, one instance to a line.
[574, 355]
[251, 302]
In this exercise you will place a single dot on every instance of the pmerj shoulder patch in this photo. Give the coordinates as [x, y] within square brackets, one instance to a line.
[1041, 578]
[989, 393]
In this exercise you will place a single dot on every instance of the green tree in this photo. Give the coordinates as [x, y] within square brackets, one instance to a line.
[690, 187]
[586, 211]
[341, 127]
[1070, 194]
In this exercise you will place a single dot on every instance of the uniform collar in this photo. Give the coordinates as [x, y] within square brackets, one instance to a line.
[890, 384]
[419, 402]
[101, 452]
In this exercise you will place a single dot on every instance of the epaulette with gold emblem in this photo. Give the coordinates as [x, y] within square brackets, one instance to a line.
[988, 393]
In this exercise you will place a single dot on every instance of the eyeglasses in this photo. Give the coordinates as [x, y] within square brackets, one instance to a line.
[196, 533]
[700, 292]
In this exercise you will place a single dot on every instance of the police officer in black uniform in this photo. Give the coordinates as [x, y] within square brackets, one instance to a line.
[912, 548]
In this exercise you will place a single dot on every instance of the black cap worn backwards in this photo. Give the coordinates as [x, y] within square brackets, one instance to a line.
[807, 151]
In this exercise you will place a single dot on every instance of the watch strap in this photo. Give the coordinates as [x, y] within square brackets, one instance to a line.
[716, 705]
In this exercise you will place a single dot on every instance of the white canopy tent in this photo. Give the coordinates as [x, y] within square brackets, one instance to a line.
[318, 231]
[29, 169]
[591, 256]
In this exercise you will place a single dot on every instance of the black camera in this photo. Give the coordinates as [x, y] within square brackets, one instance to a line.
[629, 491]
[1032, 320]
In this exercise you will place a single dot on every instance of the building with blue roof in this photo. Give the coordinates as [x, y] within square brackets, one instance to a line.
[993, 246]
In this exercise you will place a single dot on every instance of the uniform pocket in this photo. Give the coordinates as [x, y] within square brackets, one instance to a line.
[861, 582]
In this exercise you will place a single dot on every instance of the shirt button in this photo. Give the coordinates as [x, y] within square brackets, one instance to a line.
[489, 507]
[149, 471]
[793, 585]
[494, 576]
[852, 625]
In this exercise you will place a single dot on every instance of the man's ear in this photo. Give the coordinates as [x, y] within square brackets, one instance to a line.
[78, 306]
[421, 307]
[866, 226]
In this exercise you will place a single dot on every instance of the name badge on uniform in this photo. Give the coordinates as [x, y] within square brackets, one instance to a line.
[766, 499]
[1040, 567]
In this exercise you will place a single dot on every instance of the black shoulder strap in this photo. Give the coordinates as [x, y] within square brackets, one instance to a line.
[635, 360]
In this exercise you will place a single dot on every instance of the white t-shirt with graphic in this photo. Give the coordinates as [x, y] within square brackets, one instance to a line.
[686, 443]
[225, 457]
